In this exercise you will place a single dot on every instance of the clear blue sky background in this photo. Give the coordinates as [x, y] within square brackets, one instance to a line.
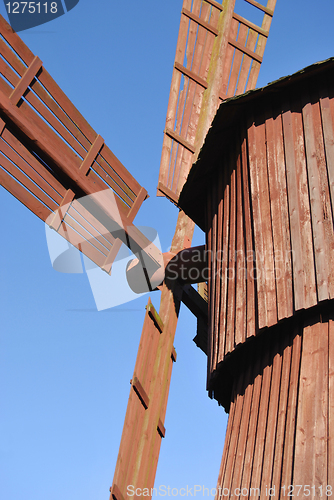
[64, 367]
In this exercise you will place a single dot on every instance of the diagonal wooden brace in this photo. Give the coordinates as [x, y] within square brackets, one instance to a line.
[26, 79]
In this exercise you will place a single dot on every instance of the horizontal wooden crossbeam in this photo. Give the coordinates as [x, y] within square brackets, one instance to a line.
[140, 391]
[250, 25]
[200, 21]
[246, 51]
[190, 74]
[180, 140]
[261, 7]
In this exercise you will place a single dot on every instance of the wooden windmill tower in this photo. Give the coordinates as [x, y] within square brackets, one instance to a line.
[52, 157]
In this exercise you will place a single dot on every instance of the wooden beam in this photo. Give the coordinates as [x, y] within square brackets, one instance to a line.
[199, 21]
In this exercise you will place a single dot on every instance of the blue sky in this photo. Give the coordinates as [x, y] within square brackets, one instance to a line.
[65, 367]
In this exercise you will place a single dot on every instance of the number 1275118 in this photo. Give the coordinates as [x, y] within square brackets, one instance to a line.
[32, 7]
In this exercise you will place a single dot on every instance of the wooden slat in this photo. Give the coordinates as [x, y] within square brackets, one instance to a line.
[330, 478]
[261, 7]
[179, 139]
[250, 302]
[245, 50]
[241, 271]
[26, 79]
[237, 61]
[92, 154]
[321, 212]
[37, 172]
[266, 290]
[250, 25]
[299, 213]
[24, 196]
[279, 216]
[199, 21]
[231, 292]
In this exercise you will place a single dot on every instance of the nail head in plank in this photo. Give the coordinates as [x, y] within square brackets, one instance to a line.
[140, 391]
[246, 51]
[173, 135]
[191, 75]
[199, 21]
[26, 79]
[92, 154]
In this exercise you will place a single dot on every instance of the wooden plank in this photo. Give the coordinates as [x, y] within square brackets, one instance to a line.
[299, 212]
[92, 154]
[263, 244]
[229, 54]
[282, 413]
[233, 444]
[250, 264]
[87, 235]
[227, 441]
[179, 139]
[29, 75]
[250, 25]
[24, 196]
[240, 464]
[269, 12]
[321, 212]
[262, 423]
[330, 479]
[279, 215]
[224, 267]
[128, 181]
[311, 429]
[17, 153]
[245, 50]
[217, 267]
[246, 62]
[237, 61]
[199, 21]
[214, 279]
[327, 118]
[231, 270]
[23, 179]
[288, 458]
[253, 419]
[272, 420]
[15, 41]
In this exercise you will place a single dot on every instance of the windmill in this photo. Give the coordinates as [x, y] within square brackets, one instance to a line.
[163, 187]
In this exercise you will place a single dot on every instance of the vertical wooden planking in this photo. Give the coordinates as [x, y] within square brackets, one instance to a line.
[230, 313]
[215, 224]
[240, 318]
[230, 51]
[224, 277]
[288, 458]
[227, 479]
[253, 420]
[227, 441]
[240, 464]
[321, 212]
[237, 61]
[299, 212]
[261, 428]
[211, 293]
[311, 431]
[330, 464]
[327, 117]
[250, 272]
[265, 273]
[282, 414]
[279, 215]
[219, 271]
[272, 418]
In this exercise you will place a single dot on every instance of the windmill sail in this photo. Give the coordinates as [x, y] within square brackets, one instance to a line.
[209, 32]
[50, 156]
